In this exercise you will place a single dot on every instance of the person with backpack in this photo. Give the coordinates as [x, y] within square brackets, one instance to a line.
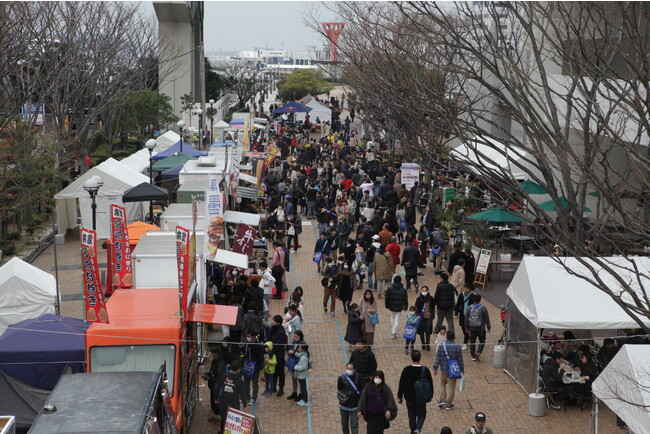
[348, 392]
[416, 386]
[253, 358]
[464, 302]
[449, 358]
[278, 267]
[252, 322]
[476, 323]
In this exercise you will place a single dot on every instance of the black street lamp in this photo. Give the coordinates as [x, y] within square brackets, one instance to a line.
[181, 124]
[150, 145]
[92, 185]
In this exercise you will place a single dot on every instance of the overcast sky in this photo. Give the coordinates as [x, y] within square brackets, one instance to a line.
[242, 25]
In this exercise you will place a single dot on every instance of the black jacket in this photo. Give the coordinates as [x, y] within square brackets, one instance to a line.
[410, 260]
[255, 351]
[407, 380]
[353, 332]
[343, 385]
[459, 309]
[409, 216]
[444, 297]
[364, 362]
[278, 337]
[552, 374]
[421, 300]
[397, 298]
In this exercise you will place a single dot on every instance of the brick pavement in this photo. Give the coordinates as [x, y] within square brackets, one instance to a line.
[488, 389]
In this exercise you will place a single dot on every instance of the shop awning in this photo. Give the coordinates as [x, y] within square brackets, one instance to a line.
[213, 314]
[238, 217]
[233, 259]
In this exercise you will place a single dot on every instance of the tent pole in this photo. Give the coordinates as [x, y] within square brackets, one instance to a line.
[57, 302]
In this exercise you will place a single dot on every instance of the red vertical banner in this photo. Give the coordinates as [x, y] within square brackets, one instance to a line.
[94, 305]
[243, 243]
[121, 251]
[272, 152]
[183, 265]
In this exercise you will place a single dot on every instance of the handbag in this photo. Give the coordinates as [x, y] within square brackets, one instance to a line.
[374, 318]
[291, 363]
[319, 255]
[410, 331]
[453, 365]
[402, 224]
[292, 230]
[248, 368]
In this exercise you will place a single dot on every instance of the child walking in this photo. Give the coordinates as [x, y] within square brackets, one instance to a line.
[441, 338]
[414, 319]
[270, 362]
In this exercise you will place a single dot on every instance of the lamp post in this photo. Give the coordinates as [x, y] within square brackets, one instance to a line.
[199, 113]
[181, 124]
[92, 185]
[211, 102]
[151, 143]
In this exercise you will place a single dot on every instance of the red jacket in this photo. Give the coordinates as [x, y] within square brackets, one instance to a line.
[394, 250]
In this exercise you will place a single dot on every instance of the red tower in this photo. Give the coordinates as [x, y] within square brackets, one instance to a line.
[333, 31]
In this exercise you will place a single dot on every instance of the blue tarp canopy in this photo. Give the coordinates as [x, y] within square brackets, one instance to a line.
[176, 148]
[292, 107]
[36, 351]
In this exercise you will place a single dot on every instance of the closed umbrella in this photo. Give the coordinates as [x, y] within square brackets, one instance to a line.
[497, 214]
[550, 205]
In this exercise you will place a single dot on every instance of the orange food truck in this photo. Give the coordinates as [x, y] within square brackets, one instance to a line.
[146, 331]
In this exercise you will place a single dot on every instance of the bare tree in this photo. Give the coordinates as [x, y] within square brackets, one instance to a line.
[241, 78]
[559, 90]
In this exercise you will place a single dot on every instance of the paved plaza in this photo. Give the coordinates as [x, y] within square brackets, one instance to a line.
[489, 390]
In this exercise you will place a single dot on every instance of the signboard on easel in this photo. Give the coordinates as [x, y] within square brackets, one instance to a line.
[238, 422]
[482, 265]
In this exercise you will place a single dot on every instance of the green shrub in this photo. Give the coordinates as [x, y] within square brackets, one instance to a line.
[13, 235]
[8, 247]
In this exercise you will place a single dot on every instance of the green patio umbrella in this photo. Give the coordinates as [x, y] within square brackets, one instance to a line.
[550, 205]
[531, 187]
[172, 161]
[497, 214]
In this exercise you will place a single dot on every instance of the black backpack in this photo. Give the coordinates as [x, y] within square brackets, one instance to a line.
[423, 389]
[287, 260]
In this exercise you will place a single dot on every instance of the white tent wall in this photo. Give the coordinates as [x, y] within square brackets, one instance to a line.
[543, 296]
[138, 161]
[624, 386]
[166, 140]
[25, 292]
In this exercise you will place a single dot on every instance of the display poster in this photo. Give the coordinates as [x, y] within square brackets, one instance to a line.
[121, 249]
[410, 174]
[483, 261]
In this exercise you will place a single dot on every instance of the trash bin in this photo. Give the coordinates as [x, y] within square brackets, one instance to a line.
[499, 356]
[536, 404]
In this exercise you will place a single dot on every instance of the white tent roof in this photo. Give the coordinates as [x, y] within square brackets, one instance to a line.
[166, 140]
[117, 179]
[317, 110]
[138, 161]
[624, 386]
[491, 154]
[25, 292]
[222, 124]
[550, 297]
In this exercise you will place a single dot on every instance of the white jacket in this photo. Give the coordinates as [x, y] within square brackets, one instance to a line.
[267, 282]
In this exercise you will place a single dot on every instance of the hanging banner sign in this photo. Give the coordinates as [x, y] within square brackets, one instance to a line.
[410, 174]
[214, 206]
[94, 304]
[483, 261]
[272, 152]
[183, 265]
[243, 243]
[121, 249]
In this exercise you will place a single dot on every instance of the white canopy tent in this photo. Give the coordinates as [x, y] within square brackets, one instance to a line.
[544, 295]
[624, 386]
[166, 140]
[25, 292]
[138, 161]
[318, 110]
[492, 155]
[73, 199]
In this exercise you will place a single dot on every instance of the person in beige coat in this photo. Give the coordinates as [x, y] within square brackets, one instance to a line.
[457, 277]
[384, 269]
[368, 306]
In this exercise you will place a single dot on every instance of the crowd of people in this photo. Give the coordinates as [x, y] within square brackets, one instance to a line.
[373, 234]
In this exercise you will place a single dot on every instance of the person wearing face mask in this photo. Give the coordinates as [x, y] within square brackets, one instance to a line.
[346, 287]
[426, 309]
[377, 404]
[302, 372]
[298, 339]
[368, 307]
[253, 352]
[348, 392]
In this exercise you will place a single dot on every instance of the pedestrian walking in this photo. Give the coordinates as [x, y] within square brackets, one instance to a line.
[330, 282]
[457, 278]
[353, 331]
[368, 311]
[416, 387]
[477, 324]
[426, 309]
[479, 425]
[384, 269]
[364, 361]
[231, 392]
[449, 358]
[463, 303]
[396, 301]
[348, 392]
[413, 321]
[377, 404]
[410, 262]
[444, 300]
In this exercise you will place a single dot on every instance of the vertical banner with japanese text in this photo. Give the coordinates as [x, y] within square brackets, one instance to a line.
[121, 249]
[94, 304]
[272, 152]
[183, 265]
[213, 216]
[243, 243]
